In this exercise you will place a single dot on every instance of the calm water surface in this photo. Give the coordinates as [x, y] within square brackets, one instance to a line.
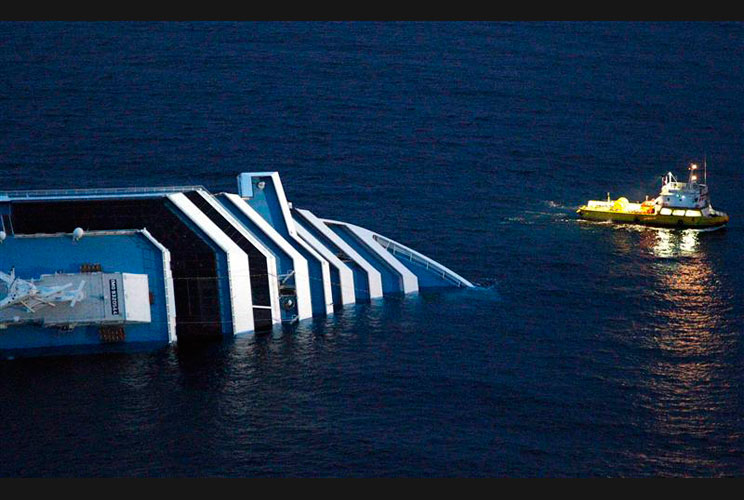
[590, 350]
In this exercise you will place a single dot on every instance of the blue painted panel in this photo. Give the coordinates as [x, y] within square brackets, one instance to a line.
[391, 280]
[266, 202]
[427, 277]
[245, 185]
[361, 280]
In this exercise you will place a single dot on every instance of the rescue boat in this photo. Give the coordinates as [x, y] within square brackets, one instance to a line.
[678, 205]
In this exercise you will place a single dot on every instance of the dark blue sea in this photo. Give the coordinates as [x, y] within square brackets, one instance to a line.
[588, 350]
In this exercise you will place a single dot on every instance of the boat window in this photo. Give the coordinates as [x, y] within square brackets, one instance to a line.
[678, 213]
[665, 211]
[693, 213]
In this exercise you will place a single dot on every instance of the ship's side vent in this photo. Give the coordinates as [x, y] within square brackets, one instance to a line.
[111, 334]
[343, 257]
[90, 268]
[287, 294]
[288, 302]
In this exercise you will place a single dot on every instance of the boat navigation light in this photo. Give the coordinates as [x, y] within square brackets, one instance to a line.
[694, 177]
[693, 166]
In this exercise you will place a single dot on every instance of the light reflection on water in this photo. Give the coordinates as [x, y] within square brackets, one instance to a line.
[692, 303]
[675, 243]
[685, 387]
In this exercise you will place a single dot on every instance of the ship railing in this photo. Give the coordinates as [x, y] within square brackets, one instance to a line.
[413, 256]
[95, 192]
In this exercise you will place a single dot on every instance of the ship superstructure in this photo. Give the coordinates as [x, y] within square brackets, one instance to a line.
[180, 263]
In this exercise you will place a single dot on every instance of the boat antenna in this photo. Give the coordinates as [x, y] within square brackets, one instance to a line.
[705, 168]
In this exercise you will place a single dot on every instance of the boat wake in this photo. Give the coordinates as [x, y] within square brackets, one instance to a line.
[555, 204]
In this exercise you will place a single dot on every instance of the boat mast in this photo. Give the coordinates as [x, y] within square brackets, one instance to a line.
[705, 169]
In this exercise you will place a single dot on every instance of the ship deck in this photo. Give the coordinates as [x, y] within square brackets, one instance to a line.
[111, 251]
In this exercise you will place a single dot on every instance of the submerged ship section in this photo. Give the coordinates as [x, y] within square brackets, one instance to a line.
[105, 269]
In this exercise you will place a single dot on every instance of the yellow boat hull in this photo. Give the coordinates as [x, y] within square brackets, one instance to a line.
[671, 221]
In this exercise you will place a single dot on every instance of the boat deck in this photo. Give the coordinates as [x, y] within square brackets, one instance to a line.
[110, 251]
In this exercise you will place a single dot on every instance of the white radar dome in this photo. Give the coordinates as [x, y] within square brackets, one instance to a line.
[77, 233]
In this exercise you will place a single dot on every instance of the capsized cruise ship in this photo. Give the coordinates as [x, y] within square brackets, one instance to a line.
[92, 270]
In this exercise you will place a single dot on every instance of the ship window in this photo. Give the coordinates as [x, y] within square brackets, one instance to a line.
[665, 211]
[678, 213]
[693, 213]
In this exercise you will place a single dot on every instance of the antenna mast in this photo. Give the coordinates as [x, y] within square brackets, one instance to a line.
[705, 169]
